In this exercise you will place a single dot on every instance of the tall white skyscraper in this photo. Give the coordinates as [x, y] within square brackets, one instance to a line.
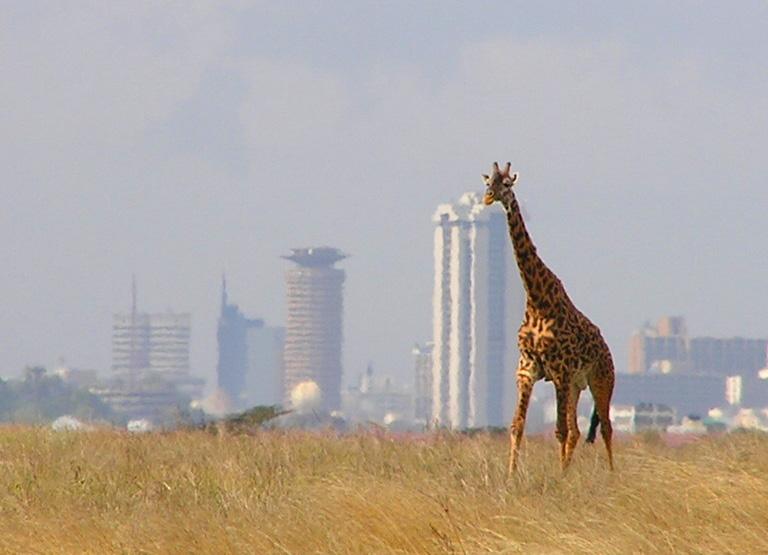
[478, 305]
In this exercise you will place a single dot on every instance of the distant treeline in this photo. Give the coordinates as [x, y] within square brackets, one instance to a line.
[39, 397]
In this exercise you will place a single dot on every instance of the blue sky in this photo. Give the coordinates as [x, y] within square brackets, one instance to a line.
[178, 140]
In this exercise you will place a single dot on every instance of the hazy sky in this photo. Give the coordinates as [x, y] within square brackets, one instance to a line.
[176, 140]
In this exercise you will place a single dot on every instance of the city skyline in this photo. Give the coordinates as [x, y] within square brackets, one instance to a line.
[161, 141]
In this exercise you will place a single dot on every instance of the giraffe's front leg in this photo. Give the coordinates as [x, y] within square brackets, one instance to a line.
[525, 380]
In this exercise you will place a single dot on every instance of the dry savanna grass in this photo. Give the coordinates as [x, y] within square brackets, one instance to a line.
[277, 492]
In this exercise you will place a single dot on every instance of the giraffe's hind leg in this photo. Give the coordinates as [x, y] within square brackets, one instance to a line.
[601, 386]
[572, 423]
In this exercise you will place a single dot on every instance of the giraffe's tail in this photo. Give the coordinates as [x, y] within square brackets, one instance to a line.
[593, 426]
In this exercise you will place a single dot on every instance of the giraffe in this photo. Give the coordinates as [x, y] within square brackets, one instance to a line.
[556, 341]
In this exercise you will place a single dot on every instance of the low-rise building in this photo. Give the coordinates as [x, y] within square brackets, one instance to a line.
[688, 394]
[376, 399]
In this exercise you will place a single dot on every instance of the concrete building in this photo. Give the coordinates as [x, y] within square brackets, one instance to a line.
[264, 378]
[642, 417]
[169, 334]
[733, 390]
[313, 335]
[728, 356]
[250, 365]
[667, 342]
[150, 365]
[686, 393]
[155, 342]
[478, 304]
[652, 416]
[667, 348]
[755, 390]
[378, 400]
[78, 377]
[143, 395]
[422, 390]
[693, 374]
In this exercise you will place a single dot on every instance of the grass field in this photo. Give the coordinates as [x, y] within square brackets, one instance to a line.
[197, 492]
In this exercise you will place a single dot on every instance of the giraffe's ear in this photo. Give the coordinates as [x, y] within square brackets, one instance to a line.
[513, 177]
[486, 178]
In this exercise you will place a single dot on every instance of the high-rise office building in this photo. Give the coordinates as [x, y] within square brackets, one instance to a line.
[313, 335]
[478, 304]
[150, 365]
[169, 334]
[155, 343]
[250, 369]
[232, 337]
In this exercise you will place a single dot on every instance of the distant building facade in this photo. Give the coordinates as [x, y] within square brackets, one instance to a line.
[422, 390]
[264, 379]
[665, 343]
[478, 304]
[693, 374]
[377, 400]
[667, 348]
[642, 417]
[313, 334]
[249, 369]
[150, 365]
[728, 356]
[688, 394]
[653, 416]
[156, 343]
[142, 396]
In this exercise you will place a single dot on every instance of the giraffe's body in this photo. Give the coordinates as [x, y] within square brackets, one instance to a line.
[556, 341]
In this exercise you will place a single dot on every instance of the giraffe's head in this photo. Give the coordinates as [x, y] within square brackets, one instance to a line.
[499, 183]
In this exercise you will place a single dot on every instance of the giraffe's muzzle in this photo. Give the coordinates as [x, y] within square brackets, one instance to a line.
[488, 199]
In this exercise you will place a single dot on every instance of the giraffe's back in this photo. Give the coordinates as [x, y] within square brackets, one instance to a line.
[563, 336]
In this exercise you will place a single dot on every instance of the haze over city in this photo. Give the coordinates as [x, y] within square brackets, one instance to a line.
[179, 141]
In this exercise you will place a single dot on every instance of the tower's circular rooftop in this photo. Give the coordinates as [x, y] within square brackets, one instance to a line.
[315, 256]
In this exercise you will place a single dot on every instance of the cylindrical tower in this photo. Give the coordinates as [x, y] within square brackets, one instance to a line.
[313, 332]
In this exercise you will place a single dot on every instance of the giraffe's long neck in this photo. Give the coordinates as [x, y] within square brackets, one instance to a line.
[539, 281]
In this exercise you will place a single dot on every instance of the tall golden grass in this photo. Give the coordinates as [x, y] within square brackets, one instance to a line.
[293, 492]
